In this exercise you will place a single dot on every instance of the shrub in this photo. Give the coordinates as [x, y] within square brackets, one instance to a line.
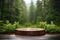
[27, 25]
[10, 28]
[49, 28]
[7, 28]
[41, 24]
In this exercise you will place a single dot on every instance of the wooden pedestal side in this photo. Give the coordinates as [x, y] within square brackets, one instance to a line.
[30, 31]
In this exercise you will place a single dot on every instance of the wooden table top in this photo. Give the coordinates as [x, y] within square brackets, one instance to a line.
[30, 29]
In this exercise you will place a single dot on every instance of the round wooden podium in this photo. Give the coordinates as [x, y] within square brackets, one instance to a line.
[30, 31]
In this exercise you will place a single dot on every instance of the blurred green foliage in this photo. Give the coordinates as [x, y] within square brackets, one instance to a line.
[49, 28]
[10, 28]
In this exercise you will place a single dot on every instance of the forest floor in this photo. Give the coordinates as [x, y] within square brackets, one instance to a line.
[16, 37]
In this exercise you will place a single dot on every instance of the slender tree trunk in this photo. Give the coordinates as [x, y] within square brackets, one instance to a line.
[2, 9]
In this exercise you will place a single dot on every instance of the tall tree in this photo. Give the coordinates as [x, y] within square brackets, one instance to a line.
[21, 10]
[47, 10]
[13, 10]
[1, 8]
[7, 9]
[38, 13]
[44, 9]
[56, 13]
[32, 12]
